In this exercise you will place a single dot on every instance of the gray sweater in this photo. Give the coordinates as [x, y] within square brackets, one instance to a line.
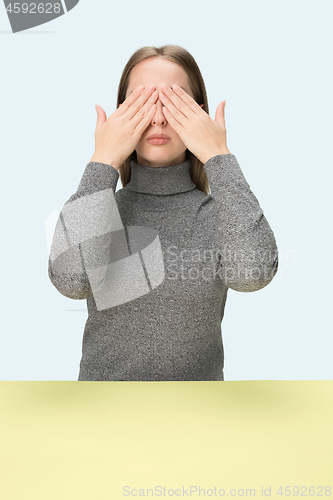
[154, 261]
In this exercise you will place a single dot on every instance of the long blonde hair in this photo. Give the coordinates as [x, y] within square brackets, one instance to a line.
[179, 55]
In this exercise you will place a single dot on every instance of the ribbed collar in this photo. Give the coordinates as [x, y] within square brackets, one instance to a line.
[161, 180]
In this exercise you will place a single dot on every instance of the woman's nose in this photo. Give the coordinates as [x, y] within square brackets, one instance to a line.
[158, 115]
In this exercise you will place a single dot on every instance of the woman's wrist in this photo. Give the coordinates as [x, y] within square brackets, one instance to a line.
[211, 154]
[102, 159]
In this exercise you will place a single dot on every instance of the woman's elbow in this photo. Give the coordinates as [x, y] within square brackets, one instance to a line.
[252, 278]
[72, 286]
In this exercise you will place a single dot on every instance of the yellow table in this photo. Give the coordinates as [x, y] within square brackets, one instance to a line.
[115, 440]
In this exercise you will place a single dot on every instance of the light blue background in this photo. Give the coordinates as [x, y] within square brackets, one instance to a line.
[272, 63]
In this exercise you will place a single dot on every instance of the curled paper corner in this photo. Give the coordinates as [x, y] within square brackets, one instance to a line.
[70, 4]
[23, 15]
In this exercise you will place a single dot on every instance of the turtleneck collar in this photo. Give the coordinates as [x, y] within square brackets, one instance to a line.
[161, 180]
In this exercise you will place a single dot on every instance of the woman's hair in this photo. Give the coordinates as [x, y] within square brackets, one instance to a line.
[180, 56]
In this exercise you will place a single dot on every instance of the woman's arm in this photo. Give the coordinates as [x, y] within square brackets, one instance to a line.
[82, 237]
[246, 243]
[248, 251]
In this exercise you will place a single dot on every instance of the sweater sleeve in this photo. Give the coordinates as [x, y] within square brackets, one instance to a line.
[247, 248]
[83, 234]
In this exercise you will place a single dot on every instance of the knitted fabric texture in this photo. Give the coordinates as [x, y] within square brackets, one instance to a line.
[154, 261]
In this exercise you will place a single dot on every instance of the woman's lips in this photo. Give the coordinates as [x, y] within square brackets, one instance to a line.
[157, 141]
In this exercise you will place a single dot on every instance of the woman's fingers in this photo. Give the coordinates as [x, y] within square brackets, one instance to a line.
[136, 108]
[139, 107]
[101, 115]
[144, 122]
[129, 100]
[143, 111]
[134, 102]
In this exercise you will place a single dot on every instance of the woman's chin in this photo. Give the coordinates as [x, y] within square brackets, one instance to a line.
[160, 155]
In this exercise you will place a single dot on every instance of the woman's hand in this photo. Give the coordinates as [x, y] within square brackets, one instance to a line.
[117, 137]
[203, 136]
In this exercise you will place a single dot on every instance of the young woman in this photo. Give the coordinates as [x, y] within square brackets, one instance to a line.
[155, 259]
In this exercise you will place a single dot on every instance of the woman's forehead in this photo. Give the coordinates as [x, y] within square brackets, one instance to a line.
[157, 71]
